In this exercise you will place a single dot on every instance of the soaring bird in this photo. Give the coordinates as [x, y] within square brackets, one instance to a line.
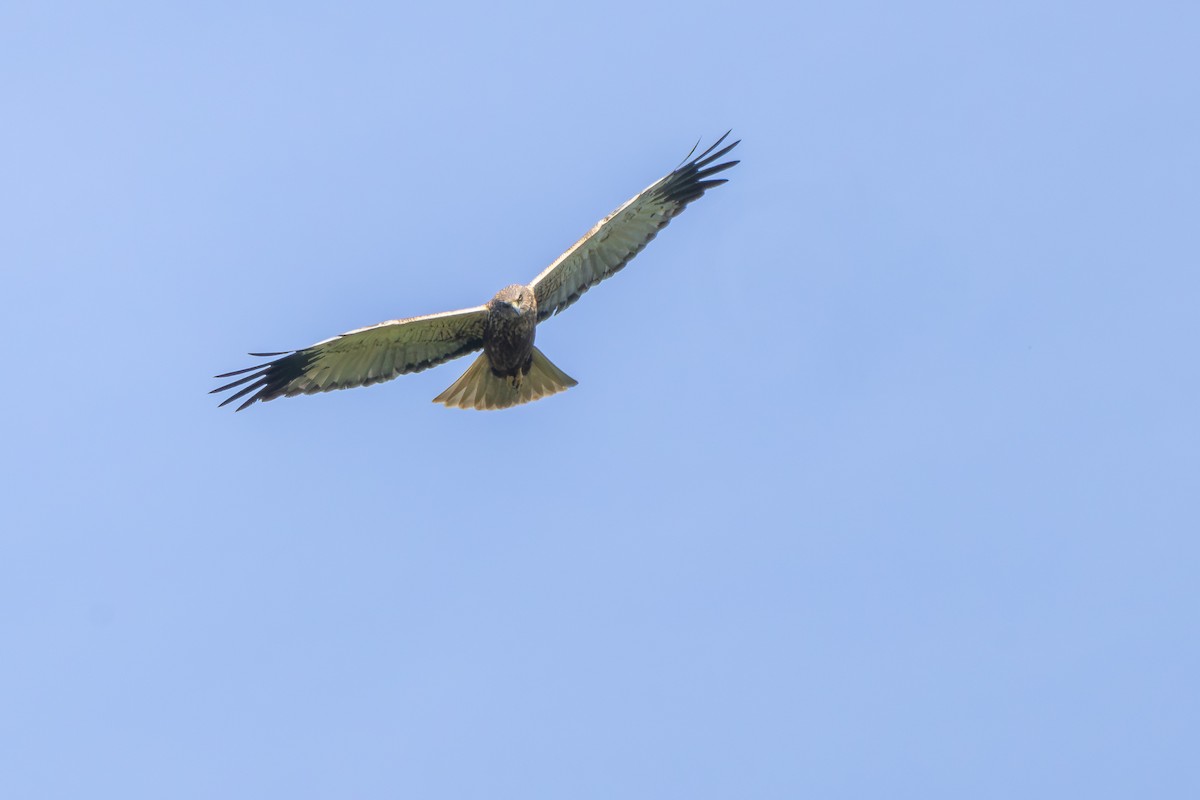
[510, 370]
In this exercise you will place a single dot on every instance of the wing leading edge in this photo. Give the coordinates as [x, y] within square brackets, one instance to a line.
[620, 236]
[361, 357]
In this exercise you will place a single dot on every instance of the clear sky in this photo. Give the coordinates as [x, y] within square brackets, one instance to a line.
[880, 480]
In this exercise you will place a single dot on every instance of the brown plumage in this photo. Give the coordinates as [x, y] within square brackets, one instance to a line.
[510, 370]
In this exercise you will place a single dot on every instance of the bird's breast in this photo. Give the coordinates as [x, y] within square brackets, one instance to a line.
[508, 342]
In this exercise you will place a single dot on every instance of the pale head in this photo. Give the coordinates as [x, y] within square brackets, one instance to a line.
[515, 300]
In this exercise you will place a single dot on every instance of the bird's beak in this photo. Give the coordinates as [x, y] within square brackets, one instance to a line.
[516, 306]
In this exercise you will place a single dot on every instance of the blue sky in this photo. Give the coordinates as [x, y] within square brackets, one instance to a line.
[880, 479]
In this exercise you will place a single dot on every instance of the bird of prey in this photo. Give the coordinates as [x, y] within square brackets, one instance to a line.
[510, 370]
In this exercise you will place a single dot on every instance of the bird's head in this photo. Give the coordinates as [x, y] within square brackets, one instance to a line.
[514, 301]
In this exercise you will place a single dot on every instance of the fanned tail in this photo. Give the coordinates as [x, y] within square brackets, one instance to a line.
[481, 389]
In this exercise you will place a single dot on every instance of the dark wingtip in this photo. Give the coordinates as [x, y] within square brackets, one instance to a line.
[689, 181]
[690, 152]
[717, 143]
[235, 372]
[266, 381]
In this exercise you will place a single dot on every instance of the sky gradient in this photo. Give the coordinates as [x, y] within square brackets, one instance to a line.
[880, 479]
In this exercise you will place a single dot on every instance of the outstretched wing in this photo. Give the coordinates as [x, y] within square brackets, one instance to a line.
[622, 234]
[361, 357]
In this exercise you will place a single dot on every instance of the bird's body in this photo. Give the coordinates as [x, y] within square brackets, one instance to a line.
[510, 370]
[508, 331]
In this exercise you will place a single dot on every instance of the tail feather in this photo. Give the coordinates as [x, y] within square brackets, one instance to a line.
[479, 387]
